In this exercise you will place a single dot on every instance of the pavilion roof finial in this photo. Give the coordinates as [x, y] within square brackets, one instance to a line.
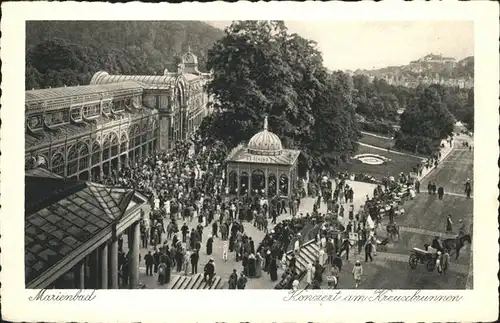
[265, 123]
[189, 49]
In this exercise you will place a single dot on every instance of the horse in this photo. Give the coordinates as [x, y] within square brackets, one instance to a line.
[392, 231]
[457, 243]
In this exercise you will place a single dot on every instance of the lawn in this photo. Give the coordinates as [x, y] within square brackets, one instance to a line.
[429, 213]
[398, 163]
[376, 141]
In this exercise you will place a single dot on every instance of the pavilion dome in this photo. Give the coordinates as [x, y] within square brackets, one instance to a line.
[265, 143]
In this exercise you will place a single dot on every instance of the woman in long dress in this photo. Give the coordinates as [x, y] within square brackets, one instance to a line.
[258, 265]
[357, 272]
[273, 269]
[210, 241]
[310, 273]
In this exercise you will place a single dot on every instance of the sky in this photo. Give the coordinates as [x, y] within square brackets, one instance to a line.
[351, 45]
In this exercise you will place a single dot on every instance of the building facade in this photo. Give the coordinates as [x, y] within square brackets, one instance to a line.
[84, 132]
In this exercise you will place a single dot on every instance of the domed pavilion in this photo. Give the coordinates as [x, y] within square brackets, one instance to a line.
[262, 167]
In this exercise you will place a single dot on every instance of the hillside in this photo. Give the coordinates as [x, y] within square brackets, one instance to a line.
[68, 53]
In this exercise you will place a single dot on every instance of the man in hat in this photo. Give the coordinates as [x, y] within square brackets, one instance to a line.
[209, 271]
[468, 188]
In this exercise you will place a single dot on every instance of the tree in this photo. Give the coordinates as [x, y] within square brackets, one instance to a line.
[427, 121]
[260, 69]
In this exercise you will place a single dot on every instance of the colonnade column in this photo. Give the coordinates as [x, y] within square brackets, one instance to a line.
[278, 178]
[266, 183]
[249, 182]
[104, 266]
[289, 183]
[114, 263]
[238, 183]
[134, 254]
[81, 274]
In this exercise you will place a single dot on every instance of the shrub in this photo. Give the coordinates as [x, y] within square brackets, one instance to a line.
[377, 127]
[417, 144]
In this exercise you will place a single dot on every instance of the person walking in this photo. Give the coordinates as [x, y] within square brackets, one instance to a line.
[148, 259]
[449, 224]
[357, 272]
[194, 262]
[225, 250]
[440, 192]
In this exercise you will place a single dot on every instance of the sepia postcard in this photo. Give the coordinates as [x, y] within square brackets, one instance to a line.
[249, 162]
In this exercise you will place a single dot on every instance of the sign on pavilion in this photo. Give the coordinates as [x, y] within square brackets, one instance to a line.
[262, 167]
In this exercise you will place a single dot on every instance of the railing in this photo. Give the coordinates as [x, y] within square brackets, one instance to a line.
[307, 234]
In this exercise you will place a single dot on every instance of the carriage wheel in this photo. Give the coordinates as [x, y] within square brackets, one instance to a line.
[431, 265]
[413, 261]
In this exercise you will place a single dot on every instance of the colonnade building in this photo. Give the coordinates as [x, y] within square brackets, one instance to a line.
[74, 228]
[83, 132]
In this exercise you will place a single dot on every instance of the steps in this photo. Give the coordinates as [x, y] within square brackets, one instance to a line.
[309, 253]
[195, 282]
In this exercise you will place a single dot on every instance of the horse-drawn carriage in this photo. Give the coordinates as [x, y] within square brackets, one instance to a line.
[421, 256]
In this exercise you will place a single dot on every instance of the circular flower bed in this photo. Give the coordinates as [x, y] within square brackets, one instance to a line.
[371, 159]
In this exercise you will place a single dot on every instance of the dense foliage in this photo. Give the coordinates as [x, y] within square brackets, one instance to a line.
[261, 69]
[425, 123]
[378, 102]
[69, 52]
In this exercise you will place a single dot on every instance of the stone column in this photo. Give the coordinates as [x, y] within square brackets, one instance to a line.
[250, 175]
[81, 275]
[104, 266]
[290, 179]
[238, 182]
[134, 255]
[113, 262]
[97, 265]
[266, 174]
[278, 178]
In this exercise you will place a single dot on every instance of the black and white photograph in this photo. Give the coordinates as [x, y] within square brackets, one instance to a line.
[248, 155]
[297, 156]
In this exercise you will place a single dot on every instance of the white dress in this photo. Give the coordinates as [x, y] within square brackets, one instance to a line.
[310, 273]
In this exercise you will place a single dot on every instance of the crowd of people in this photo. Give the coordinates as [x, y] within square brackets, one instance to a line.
[184, 187]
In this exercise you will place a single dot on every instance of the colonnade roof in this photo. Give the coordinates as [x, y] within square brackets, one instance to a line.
[103, 77]
[70, 130]
[71, 91]
[60, 220]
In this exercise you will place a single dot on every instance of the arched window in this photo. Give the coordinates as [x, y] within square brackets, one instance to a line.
[244, 183]
[58, 164]
[105, 149]
[96, 153]
[134, 136]
[123, 143]
[271, 185]
[258, 181]
[233, 182]
[114, 145]
[83, 152]
[144, 133]
[72, 159]
[284, 185]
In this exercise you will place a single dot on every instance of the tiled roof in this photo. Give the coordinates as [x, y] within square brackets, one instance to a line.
[69, 91]
[62, 214]
[287, 157]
